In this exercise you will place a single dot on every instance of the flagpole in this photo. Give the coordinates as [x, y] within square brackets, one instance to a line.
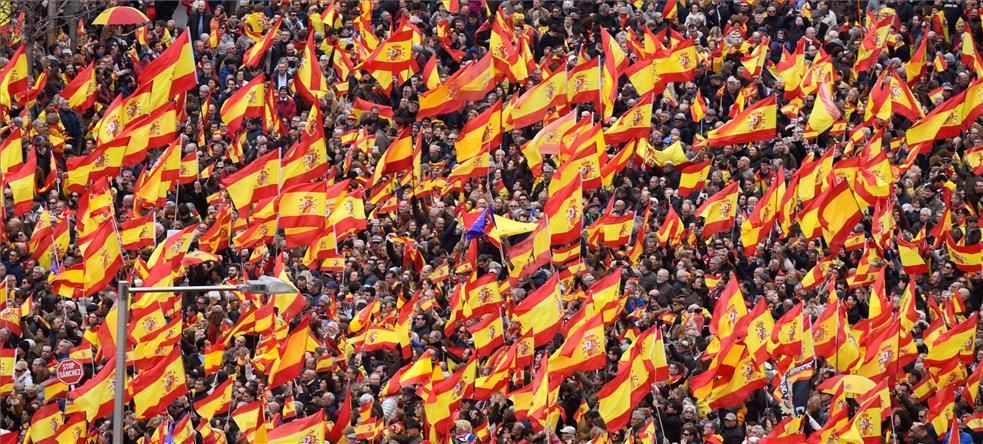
[177, 197]
[837, 334]
[55, 263]
[655, 398]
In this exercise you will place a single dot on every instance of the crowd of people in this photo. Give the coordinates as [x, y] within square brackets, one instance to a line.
[416, 251]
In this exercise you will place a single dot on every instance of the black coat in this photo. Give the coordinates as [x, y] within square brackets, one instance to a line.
[199, 23]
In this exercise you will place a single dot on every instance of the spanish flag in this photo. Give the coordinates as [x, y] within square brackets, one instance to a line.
[547, 141]
[416, 372]
[188, 169]
[137, 233]
[635, 123]
[584, 160]
[719, 211]
[615, 231]
[973, 158]
[309, 80]
[399, 156]
[155, 344]
[531, 107]
[940, 409]
[22, 184]
[440, 100]
[970, 56]
[957, 343]
[747, 378]
[72, 431]
[173, 71]
[45, 423]
[7, 360]
[217, 402]
[788, 334]
[303, 205]
[95, 396]
[154, 130]
[839, 214]
[832, 339]
[258, 51]
[102, 258]
[699, 107]
[584, 82]
[13, 78]
[824, 112]
[871, 46]
[308, 429]
[643, 77]
[789, 430]
[155, 388]
[104, 161]
[307, 160]
[678, 62]
[972, 391]
[540, 312]
[249, 418]
[617, 398]
[615, 61]
[881, 354]
[43, 237]
[480, 133]
[730, 309]
[248, 101]
[291, 361]
[257, 181]
[256, 233]
[67, 282]
[172, 250]
[911, 257]
[394, 55]
[757, 122]
[81, 91]
[348, 216]
[487, 334]
[54, 389]
[378, 338]
[915, 67]
[12, 151]
[973, 106]
[945, 121]
[360, 107]
[938, 63]
[891, 96]
[637, 247]
[756, 328]
[671, 231]
[483, 296]
[754, 62]
[431, 77]
[533, 252]
[583, 348]
[693, 177]
[564, 212]
[476, 166]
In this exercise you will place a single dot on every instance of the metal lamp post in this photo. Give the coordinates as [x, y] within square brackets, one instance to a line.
[264, 285]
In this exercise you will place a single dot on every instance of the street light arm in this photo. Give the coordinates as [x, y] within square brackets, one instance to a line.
[264, 285]
[195, 289]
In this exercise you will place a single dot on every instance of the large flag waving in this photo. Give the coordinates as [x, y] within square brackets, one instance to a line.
[757, 122]
[248, 101]
[719, 210]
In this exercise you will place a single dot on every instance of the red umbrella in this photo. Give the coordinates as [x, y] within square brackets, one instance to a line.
[121, 15]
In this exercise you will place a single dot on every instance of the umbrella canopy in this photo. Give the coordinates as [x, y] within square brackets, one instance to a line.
[121, 15]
